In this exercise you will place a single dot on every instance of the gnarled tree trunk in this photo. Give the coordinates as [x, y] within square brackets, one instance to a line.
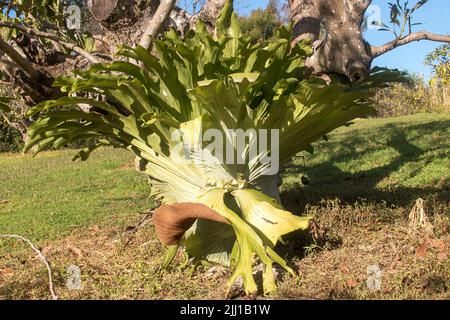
[334, 26]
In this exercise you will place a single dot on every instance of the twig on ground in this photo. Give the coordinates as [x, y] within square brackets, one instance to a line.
[41, 256]
[132, 230]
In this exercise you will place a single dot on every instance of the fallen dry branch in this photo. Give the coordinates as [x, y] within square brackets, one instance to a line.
[148, 215]
[41, 256]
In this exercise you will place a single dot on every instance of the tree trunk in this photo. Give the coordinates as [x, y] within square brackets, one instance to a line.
[334, 27]
[209, 12]
[125, 21]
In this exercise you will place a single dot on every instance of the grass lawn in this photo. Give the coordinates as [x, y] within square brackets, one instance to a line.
[395, 160]
[363, 183]
[47, 196]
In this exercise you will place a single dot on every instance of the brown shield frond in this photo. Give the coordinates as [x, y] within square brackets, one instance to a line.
[172, 221]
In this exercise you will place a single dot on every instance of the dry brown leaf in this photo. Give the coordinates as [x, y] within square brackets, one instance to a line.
[442, 255]
[7, 272]
[171, 221]
[46, 250]
[438, 244]
[344, 269]
[95, 228]
[418, 218]
[75, 251]
[352, 283]
[421, 251]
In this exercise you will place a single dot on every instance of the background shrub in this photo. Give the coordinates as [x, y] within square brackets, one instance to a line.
[412, 98]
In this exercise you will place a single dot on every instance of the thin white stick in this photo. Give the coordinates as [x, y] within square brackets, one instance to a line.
[41, 256]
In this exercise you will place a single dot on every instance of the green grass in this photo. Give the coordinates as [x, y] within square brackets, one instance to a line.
[396, 160]
[47, 196]
[376, 169]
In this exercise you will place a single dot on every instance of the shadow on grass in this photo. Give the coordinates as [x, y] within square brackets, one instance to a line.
[329, 182]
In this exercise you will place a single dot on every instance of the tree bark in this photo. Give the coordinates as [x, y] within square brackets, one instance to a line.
[115, 22]
[334, 27]
[19, 60]
[209, 12]
[30, 32]
[130, 21]
[158, 19]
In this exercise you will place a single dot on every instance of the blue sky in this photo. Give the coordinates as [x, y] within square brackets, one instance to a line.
[435, 16]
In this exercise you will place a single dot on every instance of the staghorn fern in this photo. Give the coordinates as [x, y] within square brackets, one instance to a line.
[200, 82]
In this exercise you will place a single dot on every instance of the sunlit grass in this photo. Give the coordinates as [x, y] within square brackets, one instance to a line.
[47, 196]
[388, 162]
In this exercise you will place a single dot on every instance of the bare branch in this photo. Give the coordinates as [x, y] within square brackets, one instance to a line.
[417, 36]
[161, 14]
[142, 222]
[21, 62]
[41, 256]
[41, 34]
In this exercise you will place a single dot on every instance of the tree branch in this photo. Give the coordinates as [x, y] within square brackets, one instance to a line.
[40, 34]
[417, 36]
[20, 61]
[161, 14]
